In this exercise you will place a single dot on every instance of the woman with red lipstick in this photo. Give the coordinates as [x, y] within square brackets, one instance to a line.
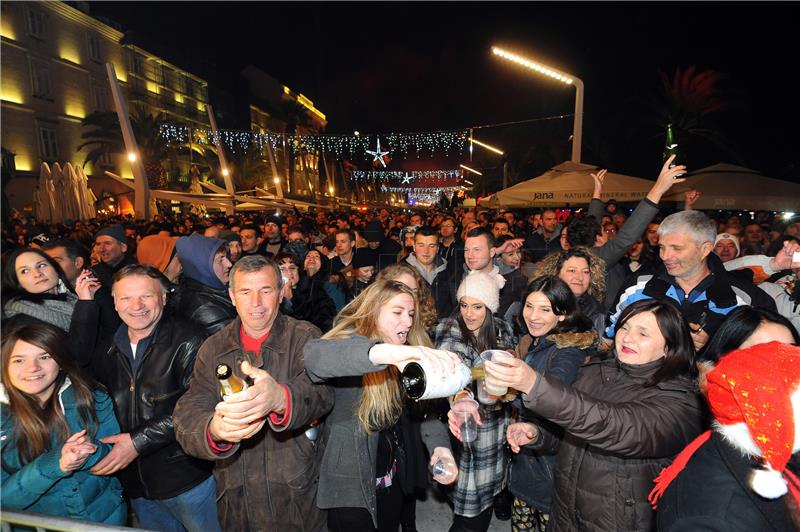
[558, 340]
[623, 420]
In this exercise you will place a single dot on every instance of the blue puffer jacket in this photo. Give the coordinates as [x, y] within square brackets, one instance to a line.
[40, 486]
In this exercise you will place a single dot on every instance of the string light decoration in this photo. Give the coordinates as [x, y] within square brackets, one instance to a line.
[407, 177]
[402, 144]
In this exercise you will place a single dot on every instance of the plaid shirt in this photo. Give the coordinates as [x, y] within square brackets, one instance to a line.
[482, 464]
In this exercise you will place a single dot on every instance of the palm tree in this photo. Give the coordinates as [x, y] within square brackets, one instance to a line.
[105, 137]
[691, 101]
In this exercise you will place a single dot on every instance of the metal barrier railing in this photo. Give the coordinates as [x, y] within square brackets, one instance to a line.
[48, 523]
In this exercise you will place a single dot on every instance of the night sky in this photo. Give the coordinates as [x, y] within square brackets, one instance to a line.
[390, 67]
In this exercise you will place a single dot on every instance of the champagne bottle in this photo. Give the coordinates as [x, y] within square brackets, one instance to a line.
[421, 381]
[671, 148]
[228, 382]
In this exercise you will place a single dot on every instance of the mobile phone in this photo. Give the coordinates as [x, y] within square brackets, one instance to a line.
[795, 257]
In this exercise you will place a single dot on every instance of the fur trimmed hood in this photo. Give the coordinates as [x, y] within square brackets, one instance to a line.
[581, 340]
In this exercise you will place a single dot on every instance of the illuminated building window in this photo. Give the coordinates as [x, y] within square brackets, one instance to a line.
[48, 145]
[40, 80]
[37, 23]
[93, 43]
[99, 98]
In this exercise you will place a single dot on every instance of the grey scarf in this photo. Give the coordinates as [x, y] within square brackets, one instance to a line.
[52, 311]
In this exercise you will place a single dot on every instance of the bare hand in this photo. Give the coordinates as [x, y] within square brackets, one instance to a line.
[454, 424]
[598, 178]
[223, 430]
[520, 434]
[254, 403]
[691, 198]
[122, 454]
[666, 179]
[699, 336]
[783, 259]
[512, 373]
[444, 454]
[86, 285]
[510, 245]
[75, 451]
[401, 355]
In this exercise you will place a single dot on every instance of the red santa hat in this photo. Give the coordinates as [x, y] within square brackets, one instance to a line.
[754, 395]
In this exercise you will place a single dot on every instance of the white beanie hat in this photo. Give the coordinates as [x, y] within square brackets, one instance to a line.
[732, 238]
[482, 286]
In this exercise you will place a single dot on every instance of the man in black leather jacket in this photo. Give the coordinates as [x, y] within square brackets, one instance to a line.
[146, 367]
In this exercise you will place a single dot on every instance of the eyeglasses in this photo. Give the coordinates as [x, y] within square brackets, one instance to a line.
[610, 230]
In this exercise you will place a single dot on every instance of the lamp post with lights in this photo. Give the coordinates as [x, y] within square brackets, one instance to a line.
[563, 77]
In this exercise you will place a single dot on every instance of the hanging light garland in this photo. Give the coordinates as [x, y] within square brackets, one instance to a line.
[430, 142]
[408, 177]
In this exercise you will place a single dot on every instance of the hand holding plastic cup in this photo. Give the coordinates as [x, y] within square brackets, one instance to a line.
[465, 412]
[440, 471]
[497, 356]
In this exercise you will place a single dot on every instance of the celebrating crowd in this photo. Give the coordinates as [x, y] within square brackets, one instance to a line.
[602, 345]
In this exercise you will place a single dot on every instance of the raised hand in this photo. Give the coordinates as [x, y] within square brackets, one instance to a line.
[598, 178]
[512, 373]
[86, 285]
[691, 198]
[667, 178]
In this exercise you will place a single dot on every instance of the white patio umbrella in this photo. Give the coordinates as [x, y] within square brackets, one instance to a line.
[72, 207]
[57, 215]
[87, 197]
[42, 197]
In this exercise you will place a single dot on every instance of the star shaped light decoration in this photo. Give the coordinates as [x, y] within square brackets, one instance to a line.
[407, 178]
[379, 156]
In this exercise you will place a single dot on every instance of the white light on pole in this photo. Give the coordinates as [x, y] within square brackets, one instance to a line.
[470, 169]
[563, 77]
[488, 147]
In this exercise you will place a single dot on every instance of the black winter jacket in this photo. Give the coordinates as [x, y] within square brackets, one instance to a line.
[208, 307]
[144, 402]
[713, 493]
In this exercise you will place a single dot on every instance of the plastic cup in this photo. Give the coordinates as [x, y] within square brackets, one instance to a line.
[497, 356]
[464, 410]
[482, 395]
[439, 471]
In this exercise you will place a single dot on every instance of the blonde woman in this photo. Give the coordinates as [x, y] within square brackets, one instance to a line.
[360, 481]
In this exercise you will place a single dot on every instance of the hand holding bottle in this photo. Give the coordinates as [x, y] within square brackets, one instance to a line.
[667, 178]
[401, 355]
[443, 466]
[519, 434]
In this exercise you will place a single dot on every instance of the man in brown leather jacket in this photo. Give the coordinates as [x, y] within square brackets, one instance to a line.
[264, 439]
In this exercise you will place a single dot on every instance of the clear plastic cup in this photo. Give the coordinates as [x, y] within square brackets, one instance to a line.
[497, 356]
[464, 411]
[482, 395]
[439, 471]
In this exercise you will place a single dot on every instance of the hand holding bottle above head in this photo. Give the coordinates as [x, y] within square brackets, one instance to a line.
[520, 434]
[511, 373]
[666, 179]
[401, 355]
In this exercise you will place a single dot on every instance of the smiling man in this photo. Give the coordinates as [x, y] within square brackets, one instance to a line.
[263, 439]
[693, 277]
[146, 367]
[111, 245]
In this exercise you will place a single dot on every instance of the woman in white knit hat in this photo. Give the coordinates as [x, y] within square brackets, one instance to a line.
[471, 329]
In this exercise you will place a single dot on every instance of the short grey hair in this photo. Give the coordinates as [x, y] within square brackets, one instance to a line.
[696, 224]
[251, 264]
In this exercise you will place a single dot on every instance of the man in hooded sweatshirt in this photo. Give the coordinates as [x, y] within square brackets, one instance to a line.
[204, 285]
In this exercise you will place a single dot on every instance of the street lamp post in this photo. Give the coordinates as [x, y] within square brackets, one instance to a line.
[563, 77]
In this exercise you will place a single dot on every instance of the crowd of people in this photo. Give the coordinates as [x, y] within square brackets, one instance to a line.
[620, 339]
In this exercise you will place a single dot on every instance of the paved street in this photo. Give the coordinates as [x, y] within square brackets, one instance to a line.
[435, 515]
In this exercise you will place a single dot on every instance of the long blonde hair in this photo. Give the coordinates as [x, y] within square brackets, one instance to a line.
[382, 400]
[427, 305]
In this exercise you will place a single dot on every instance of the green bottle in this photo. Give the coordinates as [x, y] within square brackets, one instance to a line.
[671, 148]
